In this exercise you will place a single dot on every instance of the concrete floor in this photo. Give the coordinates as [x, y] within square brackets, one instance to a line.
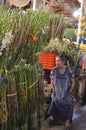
[79, 120]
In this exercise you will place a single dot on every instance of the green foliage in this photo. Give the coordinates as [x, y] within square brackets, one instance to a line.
[69, 34]
[22, 26]
[18, 29]
[38, 21]
[63, 46]
[54, 45]
[57, 25]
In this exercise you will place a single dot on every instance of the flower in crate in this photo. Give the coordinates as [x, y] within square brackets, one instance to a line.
[70, 49]
[55, 45]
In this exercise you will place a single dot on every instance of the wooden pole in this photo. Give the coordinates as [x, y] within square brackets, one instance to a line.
[34, 4]
[80, 16]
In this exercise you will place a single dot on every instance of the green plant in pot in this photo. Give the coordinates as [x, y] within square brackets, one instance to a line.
[63, 46]
[55, 45]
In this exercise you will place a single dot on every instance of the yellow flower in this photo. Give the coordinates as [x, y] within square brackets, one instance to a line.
[83, 24]
[82, 33]
[83, 18]
[83, 47]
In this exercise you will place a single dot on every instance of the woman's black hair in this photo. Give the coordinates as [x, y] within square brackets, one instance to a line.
[63, 58]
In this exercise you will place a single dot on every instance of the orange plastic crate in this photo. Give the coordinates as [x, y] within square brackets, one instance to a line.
[47, 59]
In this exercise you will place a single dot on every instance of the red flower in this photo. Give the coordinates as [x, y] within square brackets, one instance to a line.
[4, 117]
[34, 38]
[6, 112]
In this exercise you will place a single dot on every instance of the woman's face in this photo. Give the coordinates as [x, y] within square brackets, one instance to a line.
[59, 62]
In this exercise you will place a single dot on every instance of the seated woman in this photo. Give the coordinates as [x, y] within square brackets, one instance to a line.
[62, 85]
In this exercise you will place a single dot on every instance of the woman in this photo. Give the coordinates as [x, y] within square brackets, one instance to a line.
[62, 85]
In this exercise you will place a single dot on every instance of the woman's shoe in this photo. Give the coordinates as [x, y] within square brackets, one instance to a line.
[67, 128]
[51, 122]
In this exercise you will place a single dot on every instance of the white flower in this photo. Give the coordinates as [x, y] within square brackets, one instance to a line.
[3, 46]
[43, 31]
[0, 53]
[7, 39]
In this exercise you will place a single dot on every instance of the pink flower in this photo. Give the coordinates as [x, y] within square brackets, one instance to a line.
[81, 62]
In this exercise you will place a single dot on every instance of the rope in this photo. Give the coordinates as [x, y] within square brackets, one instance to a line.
[9, 95]
[3, 121]
[2, 103]
[33, 84]
[25, 125]
[12, 94]
[22, 83]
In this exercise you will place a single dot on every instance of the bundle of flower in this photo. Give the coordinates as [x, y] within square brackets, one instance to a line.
[32, 78]
[21, 36]
[35, 87]
[3, 105]
[19, 73]
[41, 97]
[54, 45]
[57, 25]
[12, 102]
[20, 32]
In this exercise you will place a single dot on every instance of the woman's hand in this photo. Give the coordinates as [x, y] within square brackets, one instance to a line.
[72, 85]
[52, 86]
